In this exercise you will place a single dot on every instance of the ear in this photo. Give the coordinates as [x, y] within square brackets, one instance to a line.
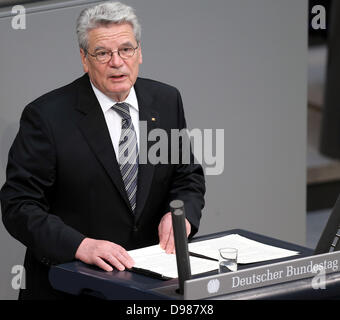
[140, 59]
[84, 60]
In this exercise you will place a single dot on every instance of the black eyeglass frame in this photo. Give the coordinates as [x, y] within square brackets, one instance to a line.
[112, 52]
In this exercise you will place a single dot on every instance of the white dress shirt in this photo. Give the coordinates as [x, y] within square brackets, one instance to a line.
[114, 120]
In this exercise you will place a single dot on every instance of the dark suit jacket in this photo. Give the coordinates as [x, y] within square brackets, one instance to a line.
[64, 183]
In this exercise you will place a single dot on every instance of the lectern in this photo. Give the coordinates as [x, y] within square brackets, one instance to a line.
[77, 278]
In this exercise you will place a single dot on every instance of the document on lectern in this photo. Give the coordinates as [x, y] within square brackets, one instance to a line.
[249, 251]
[155, 262]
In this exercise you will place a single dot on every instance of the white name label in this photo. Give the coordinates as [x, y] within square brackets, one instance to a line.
[308, 267]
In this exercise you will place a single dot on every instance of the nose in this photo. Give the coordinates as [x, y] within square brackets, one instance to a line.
[116, 61]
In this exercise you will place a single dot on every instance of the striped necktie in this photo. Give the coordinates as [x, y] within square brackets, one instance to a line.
[128, 153]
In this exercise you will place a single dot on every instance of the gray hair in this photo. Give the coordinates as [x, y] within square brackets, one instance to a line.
[102, 15]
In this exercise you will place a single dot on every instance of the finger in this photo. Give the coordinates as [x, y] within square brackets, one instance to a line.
[125, 259]
[187, 227]
[123, 256]
[161, 232]
[164, 231]
[101, 264]
[114, 262]
[165, 239]
[170, 245]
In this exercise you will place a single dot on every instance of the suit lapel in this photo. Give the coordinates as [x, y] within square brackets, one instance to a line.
[91, 121]
[145, 170]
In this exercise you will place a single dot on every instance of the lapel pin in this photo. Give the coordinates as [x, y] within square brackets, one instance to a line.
[153, 119]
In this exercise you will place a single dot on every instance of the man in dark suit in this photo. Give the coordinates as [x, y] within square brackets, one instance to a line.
[69, 193]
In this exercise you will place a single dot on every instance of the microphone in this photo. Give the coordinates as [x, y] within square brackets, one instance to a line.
[181, 242]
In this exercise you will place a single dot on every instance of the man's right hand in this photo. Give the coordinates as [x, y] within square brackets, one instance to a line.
[99, 252]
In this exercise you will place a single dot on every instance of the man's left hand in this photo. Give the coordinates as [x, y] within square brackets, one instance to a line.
[166, 233]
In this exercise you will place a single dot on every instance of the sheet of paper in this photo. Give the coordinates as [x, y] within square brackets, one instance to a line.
[155, 259]
[249, 251]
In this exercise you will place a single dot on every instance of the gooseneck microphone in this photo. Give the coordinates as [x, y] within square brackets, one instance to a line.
[181, 242]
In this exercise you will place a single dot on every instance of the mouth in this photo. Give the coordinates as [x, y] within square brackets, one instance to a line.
[118, 77]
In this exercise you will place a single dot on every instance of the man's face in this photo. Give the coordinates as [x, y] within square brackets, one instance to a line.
[116, 77]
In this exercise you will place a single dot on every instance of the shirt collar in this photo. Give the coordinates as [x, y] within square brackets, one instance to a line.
[106, 102]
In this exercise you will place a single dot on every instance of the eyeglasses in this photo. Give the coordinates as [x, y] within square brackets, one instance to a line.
[104, 56]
